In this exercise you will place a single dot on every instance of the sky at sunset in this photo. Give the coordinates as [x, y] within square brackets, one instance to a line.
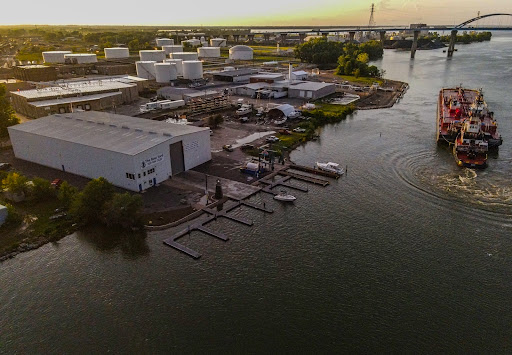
[232, 13]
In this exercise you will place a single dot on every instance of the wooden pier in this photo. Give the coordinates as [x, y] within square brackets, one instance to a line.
[213, 215]
[313, 180]
[315, 171]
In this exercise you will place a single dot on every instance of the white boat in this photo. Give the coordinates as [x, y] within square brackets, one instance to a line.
[284, 196]
[244, 110]
[330, 167]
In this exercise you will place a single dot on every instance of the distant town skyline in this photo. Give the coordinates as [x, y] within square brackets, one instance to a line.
[245, 13]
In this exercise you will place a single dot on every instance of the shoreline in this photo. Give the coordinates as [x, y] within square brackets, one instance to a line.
[32, 243]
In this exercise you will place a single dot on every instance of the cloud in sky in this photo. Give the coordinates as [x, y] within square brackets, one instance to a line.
[243, 12]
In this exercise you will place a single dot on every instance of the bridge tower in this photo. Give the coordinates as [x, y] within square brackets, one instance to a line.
[371, 22]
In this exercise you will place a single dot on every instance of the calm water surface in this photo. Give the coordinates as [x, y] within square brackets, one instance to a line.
[407, 252]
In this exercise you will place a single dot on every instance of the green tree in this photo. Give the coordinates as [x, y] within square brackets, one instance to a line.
[215, 121]
[7, 117]
[15, 183]
[42, 189]
[123, 210]
[88, 204]
[67, 194]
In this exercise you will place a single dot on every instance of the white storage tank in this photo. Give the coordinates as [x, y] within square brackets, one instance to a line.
[194, 42]
[55, 56]
[116, 52]
[152, 54]
[208, 52]
[165, 72]
[80, 58]
[160, 42]
[192, 69]
[172, 48]
[179, 65]
[146, 69]
[240, 52]
[218, 42]
[184, 55]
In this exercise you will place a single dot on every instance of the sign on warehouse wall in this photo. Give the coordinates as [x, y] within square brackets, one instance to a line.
[151, 161]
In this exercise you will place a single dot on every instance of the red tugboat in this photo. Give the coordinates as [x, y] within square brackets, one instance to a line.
[463, 119]
[470, 149]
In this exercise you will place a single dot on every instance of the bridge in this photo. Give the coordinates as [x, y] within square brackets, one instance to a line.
[416, 31]
[303, 31]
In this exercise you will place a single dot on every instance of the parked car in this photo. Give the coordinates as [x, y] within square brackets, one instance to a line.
[247, 146]
[5, 166]
[56, 183]
[272, 139]
[244, 119]
[285, 132]
[228, 147]
[299, 130]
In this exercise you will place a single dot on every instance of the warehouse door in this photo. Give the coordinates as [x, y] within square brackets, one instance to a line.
[177, 159]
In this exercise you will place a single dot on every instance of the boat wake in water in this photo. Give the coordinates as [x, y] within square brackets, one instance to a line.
[467, 185]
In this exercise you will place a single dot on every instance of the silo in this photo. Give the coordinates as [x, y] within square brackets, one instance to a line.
[240, 52]
[192, 69]
[55, 56]
[117, 52]
[208, 52]
[165, 72]
[218, 42]
[184, 55]
[153, 54]
[160, 42]
[172, 49]
[80, 58]
[146, 69]
[179, 65]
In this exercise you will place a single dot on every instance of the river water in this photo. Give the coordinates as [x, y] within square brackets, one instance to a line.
[406, 253]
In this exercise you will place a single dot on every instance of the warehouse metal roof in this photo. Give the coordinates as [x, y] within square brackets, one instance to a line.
[309, 85]
[111, 132]
[73, 88]
[72, 100]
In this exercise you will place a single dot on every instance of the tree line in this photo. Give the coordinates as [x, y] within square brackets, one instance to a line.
[351, 59]
[96, 203]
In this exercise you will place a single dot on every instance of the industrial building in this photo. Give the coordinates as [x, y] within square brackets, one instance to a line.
[310, 90]
[68, 96]
[296, 89]
[35, 73]
[130, 152]
[235, 75]
[186, 94]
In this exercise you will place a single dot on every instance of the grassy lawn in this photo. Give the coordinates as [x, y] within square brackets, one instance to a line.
[30, 56]
[362, 80]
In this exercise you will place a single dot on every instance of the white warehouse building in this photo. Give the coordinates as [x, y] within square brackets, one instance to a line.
[130, 152]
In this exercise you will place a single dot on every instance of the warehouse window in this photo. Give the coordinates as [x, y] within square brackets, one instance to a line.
[130, 176]
[151, 171]
[87, 107]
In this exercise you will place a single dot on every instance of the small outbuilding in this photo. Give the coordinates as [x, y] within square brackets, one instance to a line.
[3, 214]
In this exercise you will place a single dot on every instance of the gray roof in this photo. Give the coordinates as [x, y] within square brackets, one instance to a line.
[107, 131]
[73, 100]
[237, 72]
[73, 88]
[310, 85]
